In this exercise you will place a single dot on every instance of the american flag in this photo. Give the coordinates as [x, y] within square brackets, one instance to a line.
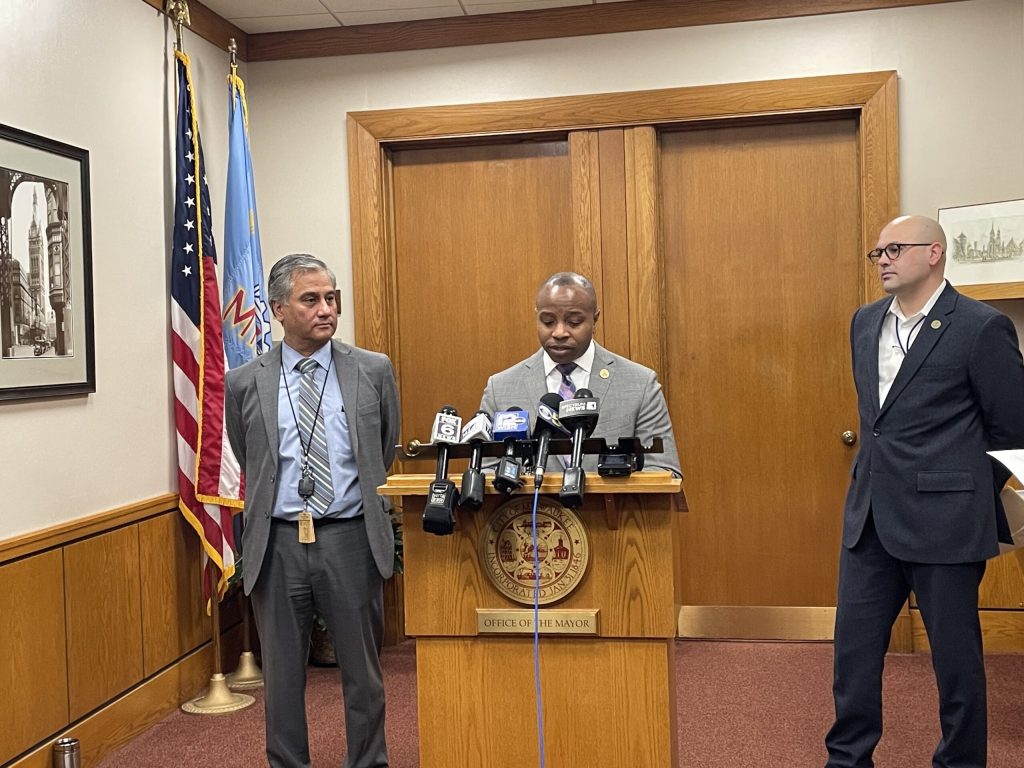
[208, 472]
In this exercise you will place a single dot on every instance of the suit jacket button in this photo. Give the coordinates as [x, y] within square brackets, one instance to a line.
[876, 432]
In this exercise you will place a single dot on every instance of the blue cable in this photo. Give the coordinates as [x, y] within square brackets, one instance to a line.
[536, 629]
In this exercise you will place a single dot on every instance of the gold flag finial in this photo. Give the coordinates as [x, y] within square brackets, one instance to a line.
[178, 10]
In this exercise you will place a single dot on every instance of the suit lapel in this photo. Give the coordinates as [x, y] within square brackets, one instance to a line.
[348, 380]
[868, 351]
[603, 360]
[535, 382]
[924, 342]
[268, 384]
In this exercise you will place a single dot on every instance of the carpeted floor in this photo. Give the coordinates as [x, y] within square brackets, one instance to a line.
[741, 705]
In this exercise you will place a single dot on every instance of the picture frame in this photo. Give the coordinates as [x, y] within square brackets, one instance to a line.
[985, 249]
[46, 303]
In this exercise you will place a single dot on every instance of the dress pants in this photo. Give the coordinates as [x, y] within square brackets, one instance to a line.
[873, 586]
[337, 575]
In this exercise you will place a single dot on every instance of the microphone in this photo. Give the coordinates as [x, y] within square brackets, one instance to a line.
[476, 432]
[579, 415]
[547, 425]
[509, 427]
[439, 513]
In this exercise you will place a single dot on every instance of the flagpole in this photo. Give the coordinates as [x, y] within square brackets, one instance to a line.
[248, 674]
[218, 699]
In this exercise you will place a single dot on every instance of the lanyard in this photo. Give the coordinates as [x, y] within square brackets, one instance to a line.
[910, 335]
[305, 484]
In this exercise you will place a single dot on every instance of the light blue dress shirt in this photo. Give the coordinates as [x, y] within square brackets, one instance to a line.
[348, 500]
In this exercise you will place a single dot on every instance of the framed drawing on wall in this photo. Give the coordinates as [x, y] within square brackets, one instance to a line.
[46, 321]
[985, 250]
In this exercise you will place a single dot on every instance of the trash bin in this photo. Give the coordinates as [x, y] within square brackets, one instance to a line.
[67, 753]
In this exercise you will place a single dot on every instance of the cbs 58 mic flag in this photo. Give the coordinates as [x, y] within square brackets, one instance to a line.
[246, 312]
[208, 472]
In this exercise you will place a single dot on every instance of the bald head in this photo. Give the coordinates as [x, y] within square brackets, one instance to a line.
[913, 270]
[921, 228]
[567, 280]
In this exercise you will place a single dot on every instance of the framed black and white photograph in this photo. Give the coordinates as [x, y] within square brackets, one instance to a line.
[46, 321]
[985, 248]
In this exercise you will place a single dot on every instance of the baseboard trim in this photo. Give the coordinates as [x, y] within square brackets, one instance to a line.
[756, 622]
[1002, 631]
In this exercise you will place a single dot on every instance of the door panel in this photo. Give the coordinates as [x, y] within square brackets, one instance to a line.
[761, 274]
[476, 229]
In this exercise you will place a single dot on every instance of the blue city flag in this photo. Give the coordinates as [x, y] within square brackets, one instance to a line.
[246, 311]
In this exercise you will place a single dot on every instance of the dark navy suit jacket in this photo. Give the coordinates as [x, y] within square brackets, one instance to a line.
[922, 471]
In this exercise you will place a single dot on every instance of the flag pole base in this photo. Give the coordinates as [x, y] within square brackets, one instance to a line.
[218, 700]
[248, 674]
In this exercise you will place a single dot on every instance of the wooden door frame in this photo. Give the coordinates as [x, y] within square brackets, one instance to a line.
[870, 96]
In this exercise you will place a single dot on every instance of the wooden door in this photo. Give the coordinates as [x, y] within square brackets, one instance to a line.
[476, 230]
[761, 271]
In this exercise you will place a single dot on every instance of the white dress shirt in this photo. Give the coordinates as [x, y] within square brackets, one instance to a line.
[897, 336]
[580, 375]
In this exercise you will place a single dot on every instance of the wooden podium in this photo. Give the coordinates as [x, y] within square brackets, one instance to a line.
[608, 696]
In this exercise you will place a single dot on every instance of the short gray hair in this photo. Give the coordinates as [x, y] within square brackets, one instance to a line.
[282, 274]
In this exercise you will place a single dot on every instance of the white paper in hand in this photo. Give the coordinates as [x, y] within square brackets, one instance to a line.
[1013, 500]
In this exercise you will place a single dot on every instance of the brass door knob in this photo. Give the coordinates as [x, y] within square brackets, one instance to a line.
[849, 437]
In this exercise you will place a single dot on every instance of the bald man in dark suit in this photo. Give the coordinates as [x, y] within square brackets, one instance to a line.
[940, 382]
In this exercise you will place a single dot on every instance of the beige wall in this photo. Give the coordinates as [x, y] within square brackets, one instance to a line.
[98, 75]
[95, 75]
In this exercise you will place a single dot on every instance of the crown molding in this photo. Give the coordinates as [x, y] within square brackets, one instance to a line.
[573, 21]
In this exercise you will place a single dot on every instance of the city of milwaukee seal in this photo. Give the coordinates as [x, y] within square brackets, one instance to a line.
[507, 554]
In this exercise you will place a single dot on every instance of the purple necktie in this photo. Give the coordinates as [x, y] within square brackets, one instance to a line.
[566, 388]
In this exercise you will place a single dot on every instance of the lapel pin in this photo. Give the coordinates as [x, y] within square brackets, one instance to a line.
[604, 373]
[936, 324]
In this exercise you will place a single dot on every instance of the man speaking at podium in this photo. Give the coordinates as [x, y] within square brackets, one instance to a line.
[314, 424]
[632, 403]
[939, 382]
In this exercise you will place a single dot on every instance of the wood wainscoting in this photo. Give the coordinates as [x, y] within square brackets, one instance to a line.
[105, 630]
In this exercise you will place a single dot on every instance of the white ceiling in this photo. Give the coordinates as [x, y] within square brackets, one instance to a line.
[256, 16]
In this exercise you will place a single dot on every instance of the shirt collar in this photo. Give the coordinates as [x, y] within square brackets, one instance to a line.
[290, 358]
[894, 307]
[585, 361]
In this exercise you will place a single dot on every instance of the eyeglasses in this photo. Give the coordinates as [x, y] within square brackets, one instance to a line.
[892, 250]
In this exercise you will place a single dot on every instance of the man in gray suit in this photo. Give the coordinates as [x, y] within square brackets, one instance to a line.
[569, 359]
[314, 424]
[939, 381]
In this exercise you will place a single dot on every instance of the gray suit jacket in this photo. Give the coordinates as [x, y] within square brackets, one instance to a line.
[368, 390]
[922, 472]
[631, 402]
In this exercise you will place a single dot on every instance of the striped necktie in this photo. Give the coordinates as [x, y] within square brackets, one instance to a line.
[566, 388]
[310, 421]
[567, 391]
